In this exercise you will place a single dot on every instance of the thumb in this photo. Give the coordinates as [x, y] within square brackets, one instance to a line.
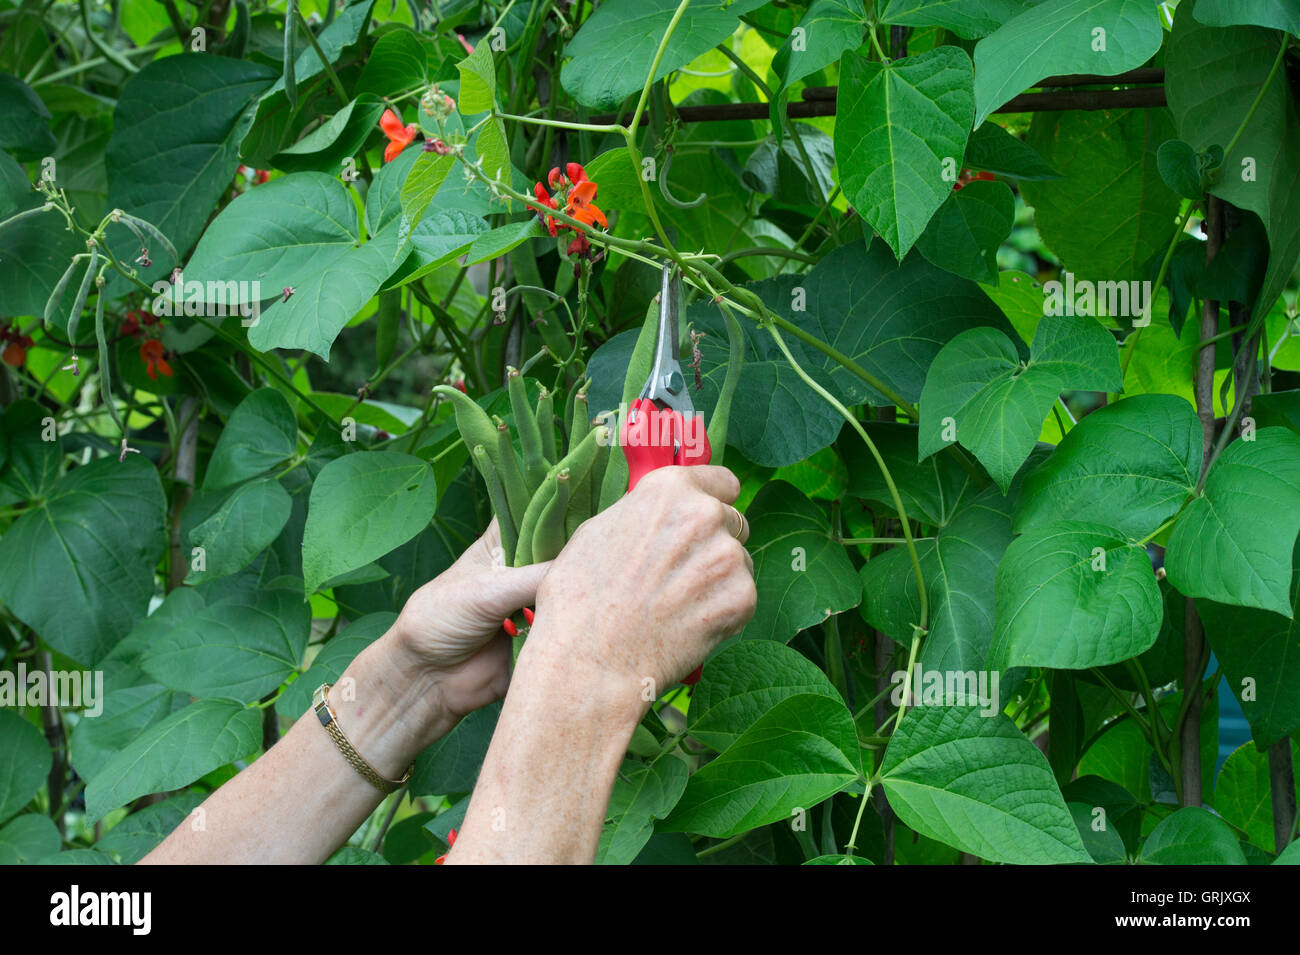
[511, 588]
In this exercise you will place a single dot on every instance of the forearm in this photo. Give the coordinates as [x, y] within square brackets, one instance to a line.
[301, 800]
[545, 784]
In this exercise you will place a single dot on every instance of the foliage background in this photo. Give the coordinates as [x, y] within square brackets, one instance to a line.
[873, 300]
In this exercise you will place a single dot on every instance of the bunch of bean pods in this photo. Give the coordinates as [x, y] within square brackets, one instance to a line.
[539, 497]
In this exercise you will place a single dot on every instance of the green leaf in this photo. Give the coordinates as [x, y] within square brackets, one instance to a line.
[828, 29]
[975, 782]
[964, 235]
[891, 318]
[1290, 855]
[260, 434]
[803, 575]
[422, 184]
[501, 240]
[27, 839]
[933, 490]
[611, 54]
[348, 25]
[25, 761]
[24, 121]
[1129, 465]
[398, 62]
[1123, 812]
[141, 832]
[355, 855]
[331, 661]
[299, 231]
[363, 506]
[451, 765]
[978, 392]
[1278, 14]
[800, 752]
[1104, 845]
[1104, 37]
[44, 246]
[232, 649]
[641, 795]
[478, 80]
[744, 680]
[1192, 836]
[1177, 164]
[173, 753]
[125, 714]
[245, 523]
[900, 126]
[1260, 654]
[969, 19]
[1243, 796]
[1114, 150]
[1234, 543]
[33, 462]
[993, 149]
[328, 147]
[821, 476]
[958, 567]
[1072, 595]
[1213, 77]
[778, 169]
[194, 110]
[100, 533]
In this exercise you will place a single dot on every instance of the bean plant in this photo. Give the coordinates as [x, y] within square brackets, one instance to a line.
[989, 304]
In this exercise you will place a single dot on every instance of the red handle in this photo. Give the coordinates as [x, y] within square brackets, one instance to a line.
[650, 434]
[649, 443]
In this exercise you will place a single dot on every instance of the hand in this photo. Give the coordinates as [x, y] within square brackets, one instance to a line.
[451, 626]
[648, 587]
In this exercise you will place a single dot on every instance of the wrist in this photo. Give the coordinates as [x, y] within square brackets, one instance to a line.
[569, 671]
[389, 706]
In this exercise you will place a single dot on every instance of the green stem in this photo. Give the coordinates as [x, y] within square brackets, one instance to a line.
[1259, 98]
[724, 844]
[857, 822]
[921, 626]
[110, 54]
[324, 60]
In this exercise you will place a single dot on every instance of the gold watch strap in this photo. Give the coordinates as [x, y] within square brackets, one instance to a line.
[329, 720]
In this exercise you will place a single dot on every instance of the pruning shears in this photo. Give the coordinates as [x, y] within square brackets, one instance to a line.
[662, 427]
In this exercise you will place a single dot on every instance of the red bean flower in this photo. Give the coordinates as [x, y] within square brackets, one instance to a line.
[572, 188]
[399, 136]
[151, 353]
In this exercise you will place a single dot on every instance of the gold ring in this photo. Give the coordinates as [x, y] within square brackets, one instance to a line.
[740, 533]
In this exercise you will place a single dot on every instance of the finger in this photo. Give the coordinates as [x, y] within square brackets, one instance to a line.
[750, 561]
[486, 551]
[716, 481]
[506, 589]
[734, 522]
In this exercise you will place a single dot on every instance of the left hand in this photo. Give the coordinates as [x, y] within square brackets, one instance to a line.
[451, 627]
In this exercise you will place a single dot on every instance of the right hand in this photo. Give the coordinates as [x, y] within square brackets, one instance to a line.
[648, 587]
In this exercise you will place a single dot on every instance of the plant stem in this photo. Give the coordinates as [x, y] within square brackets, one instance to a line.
[1259, 98]
[921, 626]
[857, 822]
[324, 60]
